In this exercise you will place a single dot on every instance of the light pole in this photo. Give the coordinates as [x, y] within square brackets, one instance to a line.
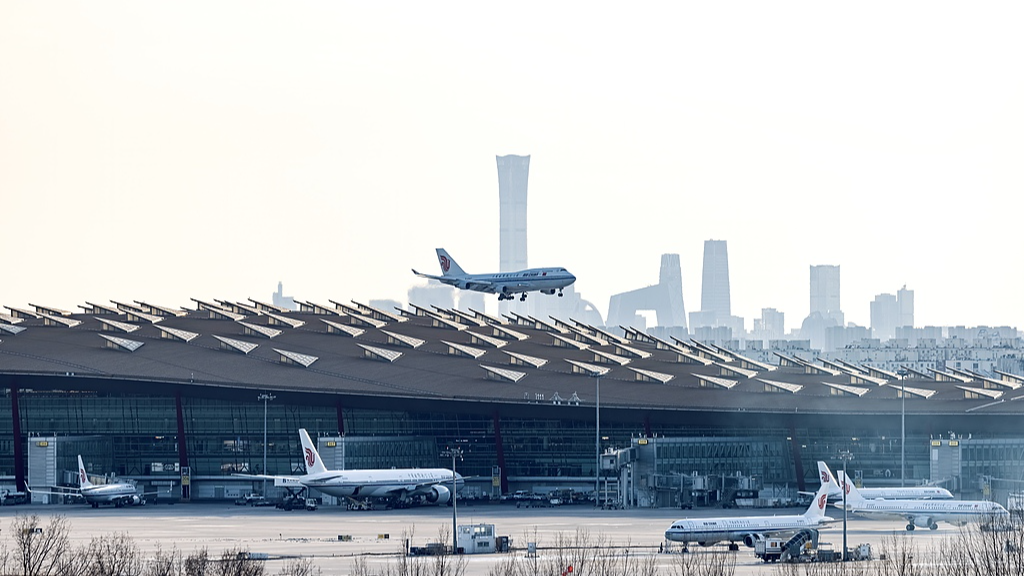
[597, 442]
[454, 453]
[265, 398]
[845, 456]
[903, 373]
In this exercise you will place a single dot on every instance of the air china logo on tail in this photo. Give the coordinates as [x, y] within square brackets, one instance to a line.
[445, 263]
[310, 459]
[821, 501]
[82, 474]
[824, 477]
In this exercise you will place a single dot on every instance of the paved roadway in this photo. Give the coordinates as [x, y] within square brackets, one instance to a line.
[300, 533]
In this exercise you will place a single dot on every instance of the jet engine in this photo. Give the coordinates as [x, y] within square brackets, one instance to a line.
[923, 522]
[750, 539]
[439, 495]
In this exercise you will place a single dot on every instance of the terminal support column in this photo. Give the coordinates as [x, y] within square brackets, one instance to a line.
[797, 459]
[19, 445]
[182, 444]
[500, 452]
[341, 418]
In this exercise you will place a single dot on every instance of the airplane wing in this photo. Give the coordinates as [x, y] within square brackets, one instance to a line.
[422, 275]
[479, 286]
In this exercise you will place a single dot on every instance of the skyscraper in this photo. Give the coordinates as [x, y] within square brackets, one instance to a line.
[905, 301]
[714, 292]
[884, 316]
[825, 293]
[513, 177]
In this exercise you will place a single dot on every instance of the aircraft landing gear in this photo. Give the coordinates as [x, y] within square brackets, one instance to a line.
[560, 294]
[910, 527]
[523, 298]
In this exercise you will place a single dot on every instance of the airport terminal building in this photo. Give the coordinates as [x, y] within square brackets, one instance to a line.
[180, 399]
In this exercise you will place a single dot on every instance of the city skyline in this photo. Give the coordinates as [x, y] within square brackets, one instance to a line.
[167, 151]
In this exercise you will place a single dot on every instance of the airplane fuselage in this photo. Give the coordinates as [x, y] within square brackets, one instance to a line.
[118, 494]
[535, 279]
[910, 493]
[708, 531]
[928, 512]
[379, 483]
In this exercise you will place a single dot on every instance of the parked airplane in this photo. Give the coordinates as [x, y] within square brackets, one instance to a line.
[749, 529]
[505, 284]
[403, 486]
[119, 494]
[906, 493]
[925, 512]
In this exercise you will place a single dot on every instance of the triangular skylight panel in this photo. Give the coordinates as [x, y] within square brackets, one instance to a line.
[503, 374]
[606, 358]
[135, 316]
[844, 389]
[177, 334]
[278, 320]
[304, 360]
[49, 310]
[403, 340]
[60, 321]
[919, 392]
[117, 325]
[236, 345]
[714, 381]
[121, 343]
[775, 386]
[11, 328]
[559, 341]
[524, 360]
[588, 369]
[734, 371]
[463, 350]
[257, 330]
[11, 319]
[343, 329]
[651, 376]
[486, 340]
[630, 352]
[975, 393]
[382, 354]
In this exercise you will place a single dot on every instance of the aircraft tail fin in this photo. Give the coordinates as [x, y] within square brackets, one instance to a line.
[314, 465]
[852, 494]
[817, 507]
[83, 478]
[448, 265]
[828, 479]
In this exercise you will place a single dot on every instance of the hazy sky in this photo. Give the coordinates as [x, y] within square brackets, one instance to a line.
[163, 150]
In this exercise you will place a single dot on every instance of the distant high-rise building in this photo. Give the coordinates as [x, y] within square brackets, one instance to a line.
[714, 293]
[513, 177]
[905, 301]
[770, 326]
[432, 294]
[665, 298]
[884, 316]
[825, 293]
[279, 299]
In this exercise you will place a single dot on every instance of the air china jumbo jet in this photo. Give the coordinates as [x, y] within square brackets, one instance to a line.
[907, 493]
[405, 486]
[505, 284]
[749, 529]
[926, 512]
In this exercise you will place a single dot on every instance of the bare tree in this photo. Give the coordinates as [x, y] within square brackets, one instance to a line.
[165, 563]
[114, 555]
[197, 563]
[704, 562]
[299, 567]
[39, 550]
[236, 562]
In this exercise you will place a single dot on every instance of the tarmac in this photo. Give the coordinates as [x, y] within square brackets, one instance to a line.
[335, 538]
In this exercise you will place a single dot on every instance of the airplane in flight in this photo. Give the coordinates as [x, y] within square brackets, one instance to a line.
[505, 284]
[400, 486]
[925, 512]
[750, 529]
[903, 493]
